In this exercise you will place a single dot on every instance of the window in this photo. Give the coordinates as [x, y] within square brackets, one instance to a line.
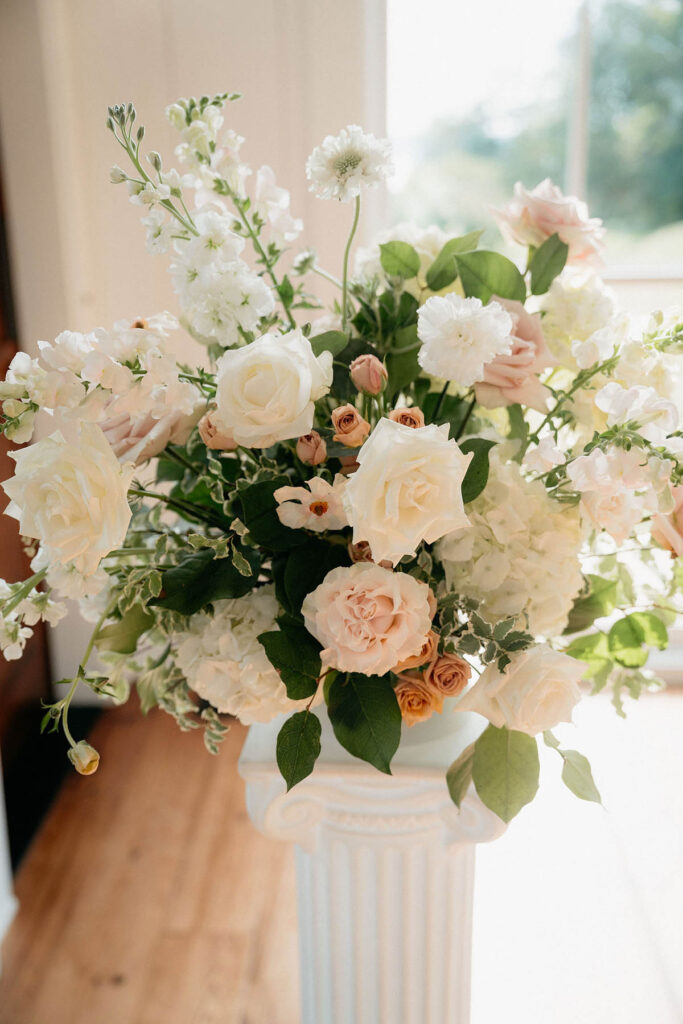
[589, 94]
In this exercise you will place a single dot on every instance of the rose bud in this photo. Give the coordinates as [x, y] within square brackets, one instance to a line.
[412, 417]
[212, 435]
[349, 426]
[311, 449]
[427, 653]
[369, 375]
[448, 674]
[84, 758]
[416, 698]
[361, 552]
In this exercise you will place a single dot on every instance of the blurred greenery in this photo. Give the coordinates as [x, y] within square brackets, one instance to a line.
[635, 167]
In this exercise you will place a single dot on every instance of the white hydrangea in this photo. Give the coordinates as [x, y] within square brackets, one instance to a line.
[578, 305]
[344, 164]
[521, 555]
[225, 664]
[427, 243]
[461, 336]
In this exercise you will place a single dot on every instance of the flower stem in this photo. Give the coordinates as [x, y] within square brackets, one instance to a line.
[23, 591]
[440, 401]
[345, 273]
[461, 428]
[239, 206]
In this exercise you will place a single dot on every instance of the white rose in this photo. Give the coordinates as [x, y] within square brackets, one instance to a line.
[407, 489]
[72, 497]
[538, 689]
[266, 391]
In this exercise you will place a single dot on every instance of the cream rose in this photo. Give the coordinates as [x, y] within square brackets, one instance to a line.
[367, 618]
[538, 689]
[72, 497]
[536, 214]
[406, 489]
[511, 377]
[266, 391]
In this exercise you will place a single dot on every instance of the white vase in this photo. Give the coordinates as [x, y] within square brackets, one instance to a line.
[385, 874]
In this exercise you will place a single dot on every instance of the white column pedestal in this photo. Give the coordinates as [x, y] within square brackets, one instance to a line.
[385, 874]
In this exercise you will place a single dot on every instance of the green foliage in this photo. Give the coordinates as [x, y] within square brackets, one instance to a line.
[298, 747]
[444, 269]
[546, 263]
[485, 273]
[600, 600]
[477, 474]
[330, 341]
[201, 578]
[505, 770]
[403, 367]
[122, 636]
[630, 638]
[305, 568]
[399, 259]
[366, 717]
[296, 656]
[459, 775]
[258, 513]
[576, 771]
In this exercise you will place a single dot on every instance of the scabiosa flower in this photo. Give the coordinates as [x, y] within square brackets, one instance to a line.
[461, 336]
[345, 163]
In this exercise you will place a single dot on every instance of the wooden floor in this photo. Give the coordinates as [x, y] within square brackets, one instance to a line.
[149, 899]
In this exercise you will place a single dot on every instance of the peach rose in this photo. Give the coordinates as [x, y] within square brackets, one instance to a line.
[368, 374]
[429, 651]
[668, 530]
[511, 378]
[412, 417]
[417, 699]
[349, 426]
[448, 674]
[532, 216]
[368, 618]
[311, 449]
[213, 436]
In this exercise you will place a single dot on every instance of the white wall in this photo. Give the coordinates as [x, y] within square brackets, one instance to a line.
[304, 67]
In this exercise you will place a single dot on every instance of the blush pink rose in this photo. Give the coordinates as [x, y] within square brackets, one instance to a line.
[532, 216]
[668, 530]
[368, 618]
[511, 377]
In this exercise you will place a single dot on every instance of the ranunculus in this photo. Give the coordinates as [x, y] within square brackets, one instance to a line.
[368, 374]
[367, 618]
[407, 489]
[448, 674]
[311, 449]
[136, 439]
[71, 497]
[532, 216]
[349, 426]
[511, 377]
[417, 699]
[461, 336]
[426, 654]
[668, 530]
[538, 689]
[213, 436]
[266, 391]
[318, 506]
[412, 417]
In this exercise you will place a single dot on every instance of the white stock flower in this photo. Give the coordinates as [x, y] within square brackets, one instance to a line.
[577, 305]
[461, 336]
[160, 230]
[521, 556]
[216, 240]
[597, 347]
[537, 690]
[368, 618]
[225, 664]
[544, 456]
[344, 164]
[317, 506]
[271, 202]
[71, 497]
[642, 364]
[266, 391]
[656, 418]
[407, 489]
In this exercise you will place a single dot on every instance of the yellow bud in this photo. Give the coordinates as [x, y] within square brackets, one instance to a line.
[84, 758]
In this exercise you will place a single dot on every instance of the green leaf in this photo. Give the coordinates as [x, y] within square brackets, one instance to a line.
[627, 637]
[201, 579]
[399, 259]
[307, 567]
[330, 341]
[260, 516]
[402, 367]
[366, 717]
[459, 775]
[298, 746]
[240, 562]
[653, 629]
[477, 474]
[505, 770]
[123, 636]
[546, 263]
[577, 776]
[286, 292]
[453, 410]
[296, 656]
[444, 269]
[484, 274]
[601, 600]
[593, 647]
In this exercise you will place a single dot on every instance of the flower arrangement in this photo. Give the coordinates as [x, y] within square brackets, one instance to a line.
[458, 489]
